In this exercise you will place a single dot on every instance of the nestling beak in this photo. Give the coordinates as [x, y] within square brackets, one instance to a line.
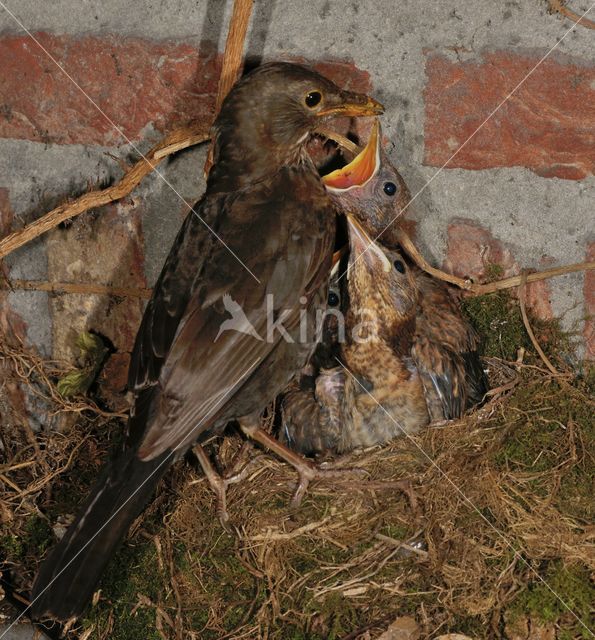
[337, 255]
[364, 248]
[361, 169]
[353, 105]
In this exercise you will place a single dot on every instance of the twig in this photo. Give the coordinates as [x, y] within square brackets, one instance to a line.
[82, 288]
[401, 545]
[232, 59]
[490, 287]
[407, 244]
[99, 198]
[558, 6]
[536, 344]
[234, 48]
[515, 281]
[177, 140]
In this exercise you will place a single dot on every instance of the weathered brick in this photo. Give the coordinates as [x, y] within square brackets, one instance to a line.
[472, 250]
[135, 82]
[101, 249]
[13, 331]
[11, 324]
[547, 125]
[589, 293]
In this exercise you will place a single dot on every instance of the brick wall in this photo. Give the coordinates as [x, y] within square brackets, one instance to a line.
[514, 194]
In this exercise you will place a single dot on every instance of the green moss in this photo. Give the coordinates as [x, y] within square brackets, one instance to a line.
[339, 615]
[134, 570]
[562, 588]
[539, 438]
[12, 547]
[92, 355]
[497, 319]
[38, 535]
[493, 272]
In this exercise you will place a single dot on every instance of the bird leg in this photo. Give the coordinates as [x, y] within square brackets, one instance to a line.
[307, 470]
[220, 483]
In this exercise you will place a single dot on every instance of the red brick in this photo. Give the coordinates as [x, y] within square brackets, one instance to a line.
[589, 293]
[471, 250]
[134, 81]
[13, 331]
[12, 326]
[547, 125]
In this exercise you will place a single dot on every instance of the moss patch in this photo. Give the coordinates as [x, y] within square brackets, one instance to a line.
[566, 590]
[134, 570]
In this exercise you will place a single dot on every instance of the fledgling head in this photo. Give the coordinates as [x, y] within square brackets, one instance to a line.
[370, 187]
[380, 284]
[268, 116]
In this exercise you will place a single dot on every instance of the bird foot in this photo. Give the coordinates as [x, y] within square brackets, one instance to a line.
[220, 483]
[307, 471]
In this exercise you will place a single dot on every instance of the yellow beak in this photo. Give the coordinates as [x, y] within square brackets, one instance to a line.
[362, 246]
[357, 108]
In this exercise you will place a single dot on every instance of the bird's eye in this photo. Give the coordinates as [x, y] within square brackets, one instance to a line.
[312, 99]
[399, 266]
[333, 299]
[390, 188]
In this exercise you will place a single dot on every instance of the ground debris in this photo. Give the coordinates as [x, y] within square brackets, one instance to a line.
[493, 539]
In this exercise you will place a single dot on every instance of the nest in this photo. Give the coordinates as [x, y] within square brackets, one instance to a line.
[473, 526]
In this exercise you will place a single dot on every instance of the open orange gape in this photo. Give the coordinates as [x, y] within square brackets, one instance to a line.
[360, 170]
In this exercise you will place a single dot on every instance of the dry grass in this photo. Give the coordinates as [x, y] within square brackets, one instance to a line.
[493, 506]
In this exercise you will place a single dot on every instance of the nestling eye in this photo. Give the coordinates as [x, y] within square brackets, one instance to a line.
[333, 299]
[390, 188]
[399, 266]
[312, 99]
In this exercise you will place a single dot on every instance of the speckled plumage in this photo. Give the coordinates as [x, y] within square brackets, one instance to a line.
[422, 365]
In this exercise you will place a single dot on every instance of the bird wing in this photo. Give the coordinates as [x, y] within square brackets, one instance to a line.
[172, 291]
[445, 353]
[283, 260]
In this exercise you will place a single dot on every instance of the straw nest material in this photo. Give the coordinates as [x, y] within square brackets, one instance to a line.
[481, 526]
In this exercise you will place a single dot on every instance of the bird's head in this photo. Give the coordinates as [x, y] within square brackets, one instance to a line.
[379, 280]
[268, 116]
[370, 187]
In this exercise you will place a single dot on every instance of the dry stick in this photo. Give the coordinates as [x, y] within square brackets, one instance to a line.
[407, 244]
[490, 287]
[232, 59]
[557, 6]
[522, 292]
[234, 48]
[178, 139]
[82, 288]
[515, 281]
[98, 198]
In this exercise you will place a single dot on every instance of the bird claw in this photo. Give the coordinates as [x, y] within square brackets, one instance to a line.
[219, 484]
[309, 471]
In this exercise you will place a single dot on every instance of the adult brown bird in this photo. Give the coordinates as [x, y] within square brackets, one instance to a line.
[260, 240]
[408, 357]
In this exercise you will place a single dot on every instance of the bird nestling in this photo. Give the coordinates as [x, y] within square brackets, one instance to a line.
[408, 358]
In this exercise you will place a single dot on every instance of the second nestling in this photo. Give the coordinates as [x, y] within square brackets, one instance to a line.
[405, 357]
